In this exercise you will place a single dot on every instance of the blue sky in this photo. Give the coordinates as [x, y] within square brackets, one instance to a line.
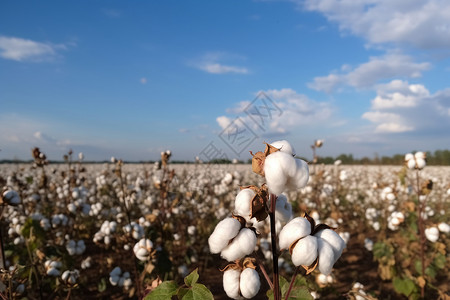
[131, 79]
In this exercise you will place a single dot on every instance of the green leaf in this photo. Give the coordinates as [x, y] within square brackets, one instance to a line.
[440, 261]
[192, 278]
[300, 293]
[299, 290]
[164, 291]
[404, 286]
[198, 292]
[431, 271]
[418, 266]
[102, 285]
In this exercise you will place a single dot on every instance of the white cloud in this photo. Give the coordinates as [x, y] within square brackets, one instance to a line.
[403, 107]
[19, 49]
[212, 63]
[216, 68]
[297, 110]
[423, 24]
[367, 74]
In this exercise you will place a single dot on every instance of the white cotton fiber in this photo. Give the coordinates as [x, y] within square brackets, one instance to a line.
[243, 244]
[326, 256]
[305, 251]
[284, 146]
[335, 241]
[432, 234]
[225, 230]
[250, 283]
[283, 209]
[242, 204]
[283, 171]
[298, 178]
[294, 230]
[231, 283]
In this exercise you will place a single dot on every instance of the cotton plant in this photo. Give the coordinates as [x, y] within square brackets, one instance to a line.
[119, 278]
[235, 237]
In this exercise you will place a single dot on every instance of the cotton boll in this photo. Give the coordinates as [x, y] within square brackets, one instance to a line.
[432, 234]
[368, 244]
[242, 204]
[421, 163]
[249, 283]
[299, 178]
[225, 230]
[283, 171]
[283, 209]
[326, 256]
[336, 242]
[305, 251]
[275, 171]
[243, 244]
[293, 231]
[411, 164]
[444, 227]
[231, 283]
[284, 146]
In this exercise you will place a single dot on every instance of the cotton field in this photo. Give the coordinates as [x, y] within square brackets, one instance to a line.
[122, 231]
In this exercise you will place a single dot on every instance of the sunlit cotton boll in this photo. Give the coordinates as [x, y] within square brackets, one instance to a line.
[283, 172]
[305, 251]
[432, 234]
[336, 242]
[231, 283]
[283, 209]
[326, 256]
[444, 227]
[243, 244]
[142, 249]
[294, 230]
[242, 203]
[284, 146]
[225, 230]
[249, 283]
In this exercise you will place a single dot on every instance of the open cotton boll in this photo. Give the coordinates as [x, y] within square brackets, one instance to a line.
[305, 251]
[420, 163]
[444, 227]
[225, 230]
[249, 283]
[231, 283]
[284, 146]
[283, 171]
[294, 230]
[283, 209]
[242, 203]
[336, 242]
[432, 234]
[299, 178]
[326, 256]
[243, 244]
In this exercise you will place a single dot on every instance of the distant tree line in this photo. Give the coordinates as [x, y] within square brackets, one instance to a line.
[438, 157]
